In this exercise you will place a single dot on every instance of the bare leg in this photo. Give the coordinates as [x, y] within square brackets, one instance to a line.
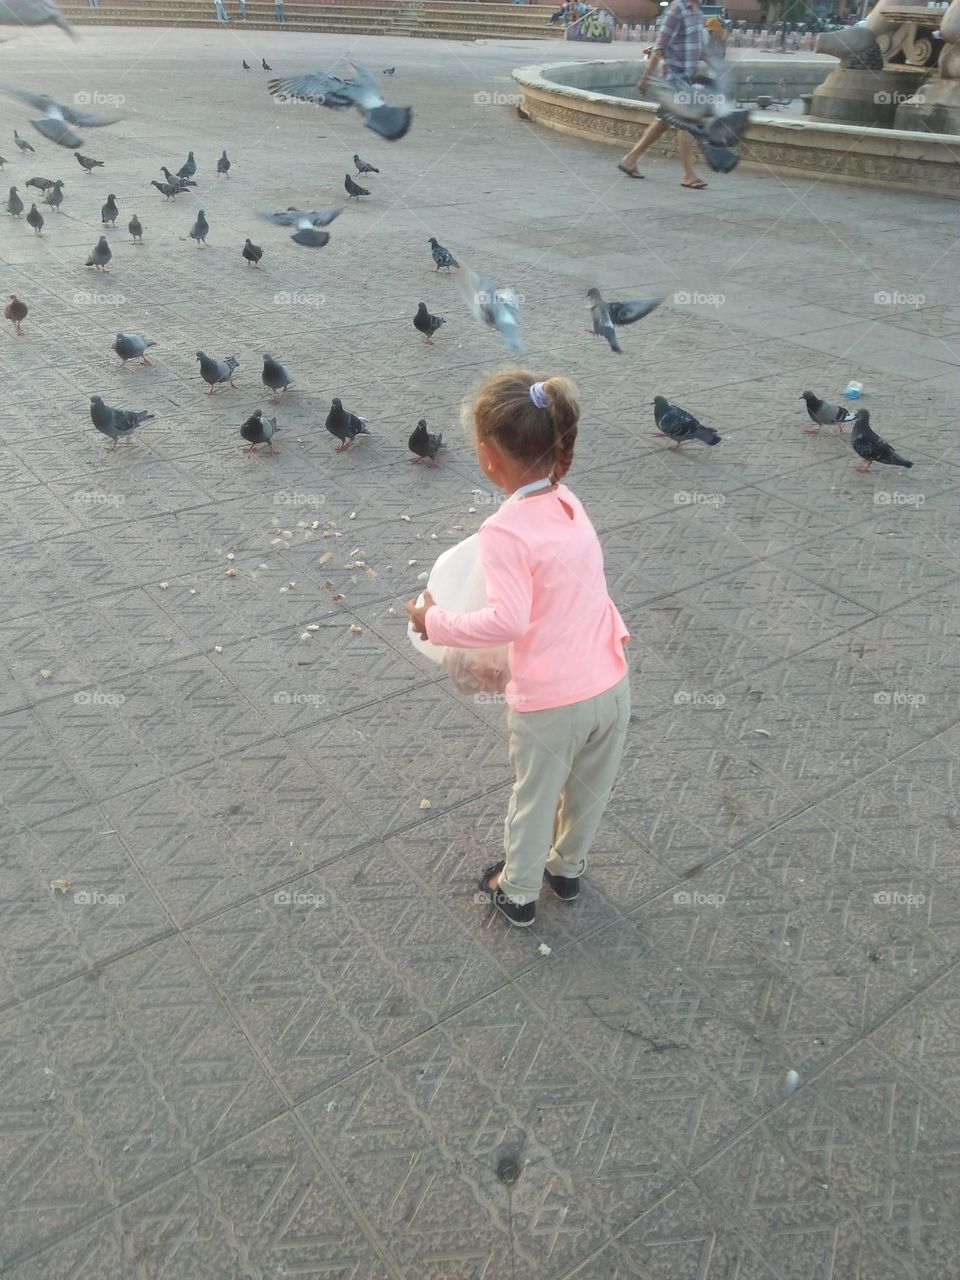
[650, 135]
[685, 148]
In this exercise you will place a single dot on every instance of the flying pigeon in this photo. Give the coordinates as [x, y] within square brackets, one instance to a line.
[14, 203]
[215, 372]
[607, 315]
[709, 111]
[54, 197]
[679, 426]
[135, 227]
[868, 445]
[22, 143]
[58, 117]
[266, 65]
[306, 224]
[441, 256]
[252, 252]
[275, 377]
[353, 189]
[16, 312]
[361, 92]
[425, 444]
[823, 414]
[363, 167]
[87, 162]
[167, 189]
[132, 346]
[246, 65]
[175, 180]
[259, 430]
[345, 426]
[199, 230]
[427, 324]
[188, 168]
[35, 219]
[41, 184]
[100, 255]
[109, 213]
[116, 423]
[32, 13]
[497, 308]
[223, 165]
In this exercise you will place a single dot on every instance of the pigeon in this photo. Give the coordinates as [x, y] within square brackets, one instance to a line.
[265, 64]
[22, 143]
[199, 230]
[14, 203]
[3, 159]
[679, 426]
[215, 372]
[259, 430]
[363, 166]
[823, 414]
[188, 168]
[35, 219]
[425, 444]
[41, 184]
[868, 445]
[32, 13]
[246, 65]
[86, 162]
[16, 312]
[135, 227]
[175, 180]
[132, 346]
[306, 224]
[361, 92]
[58, 117]
[345, 426]
[708, 111]
[223, 165]
[166, 189]
[54, 197]
[116, 423]
[109, 213]
[252, 252]
[275, 377]
[353, 189]
[607, 315]
[100, 255]
[497, 308]
[427, 324]
[388, 71]
[441, 256]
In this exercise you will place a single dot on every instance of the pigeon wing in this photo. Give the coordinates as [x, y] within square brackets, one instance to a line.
[622, 313]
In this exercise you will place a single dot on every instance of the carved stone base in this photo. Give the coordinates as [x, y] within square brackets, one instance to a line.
[863, 97]
[935, 108]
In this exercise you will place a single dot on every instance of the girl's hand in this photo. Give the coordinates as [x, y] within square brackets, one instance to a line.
[418, 614]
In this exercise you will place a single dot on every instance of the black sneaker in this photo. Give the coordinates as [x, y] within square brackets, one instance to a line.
[520, 914]
[565, 887]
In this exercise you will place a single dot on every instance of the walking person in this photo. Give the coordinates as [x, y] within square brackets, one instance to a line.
[679, 46]
[280, 15]
[221, 11]
[569, 691]
[243, 10]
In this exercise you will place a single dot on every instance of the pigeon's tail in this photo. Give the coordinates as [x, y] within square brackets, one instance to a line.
[312, 238]
[720, 159]
[726, 131]
[896, 461]
[706, 434]
[57, 131]
[390, 122]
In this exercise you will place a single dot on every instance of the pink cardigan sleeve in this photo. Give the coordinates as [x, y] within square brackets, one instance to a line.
[509, 595]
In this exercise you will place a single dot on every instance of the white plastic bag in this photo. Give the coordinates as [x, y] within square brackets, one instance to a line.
[457, 584]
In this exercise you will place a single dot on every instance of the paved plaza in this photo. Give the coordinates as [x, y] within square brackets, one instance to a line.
[252, 1022]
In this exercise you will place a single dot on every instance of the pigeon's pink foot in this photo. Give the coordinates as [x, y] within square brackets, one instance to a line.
[674, 448]
[144, 360]
[272, 450]
[864, 469]
[811, 431]
[211, 391]
[250, 448]
[416, 460]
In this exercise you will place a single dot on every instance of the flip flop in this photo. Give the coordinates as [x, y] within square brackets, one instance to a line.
[699, 185]
[631, 173]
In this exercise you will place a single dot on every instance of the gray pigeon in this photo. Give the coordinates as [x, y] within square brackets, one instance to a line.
[425, 444]
[223, 165]
[259, 430]
[167, 189]
[607, 315]
[868, 445]
[58, 117]
[344, 425]
[188, 168]
[35, 219]
[87, 162]
[22, 143]
[175, 180]
[54, 197]
[361, 91]
[251, 252]
[275, 377]
[14, 203]
[306, 223]
[679, 426]
[116, 423]
[135, 227]
[353, 189]
[32, 13]
[109, 213]
[441, 256]
[363, 167]
[132, 346]
[215, 372]
[41, 184]
[824, 414]
[100, 255]
[497, 308]
[199, 230]
[426, 323]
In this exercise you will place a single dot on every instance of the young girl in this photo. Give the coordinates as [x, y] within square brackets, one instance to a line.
[569, 696]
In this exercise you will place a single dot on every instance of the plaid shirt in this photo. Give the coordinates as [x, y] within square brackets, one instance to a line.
[681, 38]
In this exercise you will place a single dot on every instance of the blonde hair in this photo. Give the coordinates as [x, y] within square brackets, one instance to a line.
[503, 412]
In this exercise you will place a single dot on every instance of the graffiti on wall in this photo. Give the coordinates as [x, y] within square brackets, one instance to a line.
[597, 26]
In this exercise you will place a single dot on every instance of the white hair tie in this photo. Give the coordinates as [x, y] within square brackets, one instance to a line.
[539, 396]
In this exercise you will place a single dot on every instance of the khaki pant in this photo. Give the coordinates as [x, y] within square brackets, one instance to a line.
[566, 761]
